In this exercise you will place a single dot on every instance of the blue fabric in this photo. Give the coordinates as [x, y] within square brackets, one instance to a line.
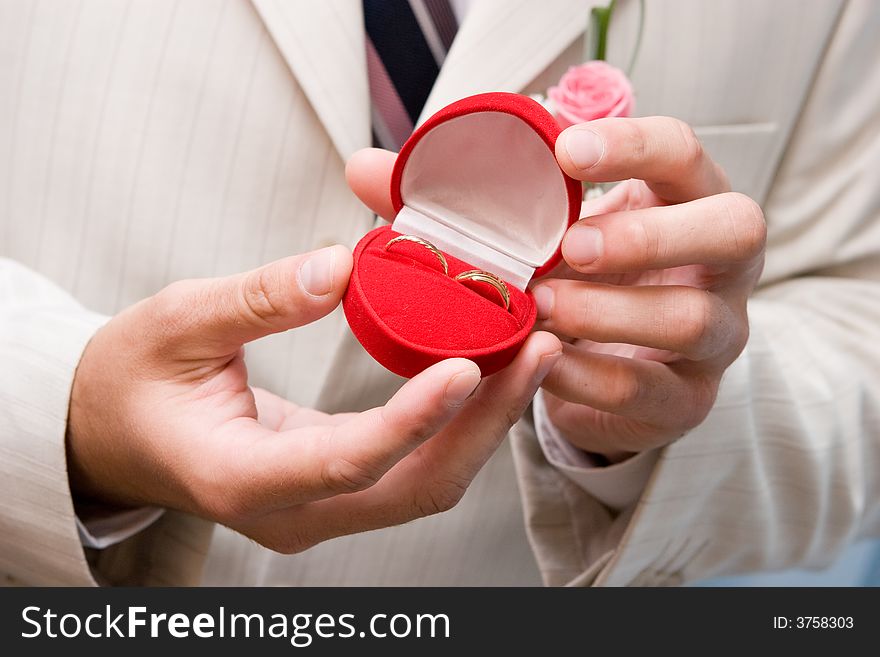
[401, 45]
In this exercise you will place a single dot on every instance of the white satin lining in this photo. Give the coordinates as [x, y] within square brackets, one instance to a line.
[485, 188]
[463, 247]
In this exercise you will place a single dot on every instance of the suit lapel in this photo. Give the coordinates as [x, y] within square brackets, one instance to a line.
[503, 45]
[323, 44]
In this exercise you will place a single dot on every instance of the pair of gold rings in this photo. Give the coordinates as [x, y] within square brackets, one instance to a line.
[475, 275]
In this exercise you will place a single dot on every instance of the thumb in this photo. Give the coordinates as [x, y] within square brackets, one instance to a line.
[368, 173]
[214, 317]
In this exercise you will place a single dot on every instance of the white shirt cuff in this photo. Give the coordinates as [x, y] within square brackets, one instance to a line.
[617, 486]
[100, 528]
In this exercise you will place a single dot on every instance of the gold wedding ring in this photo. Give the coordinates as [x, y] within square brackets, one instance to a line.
[425, 243]
[480, 276]
[476, 275]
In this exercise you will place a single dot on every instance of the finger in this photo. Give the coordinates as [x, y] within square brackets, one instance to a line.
[368, 173]
[725, 230]
[276, 471]
[620, 197]
[659, 395]
[214, 317]
[279, 414]
[433, 478]
[469, 441]
[692, 322]
[602, 432]
[662, 151]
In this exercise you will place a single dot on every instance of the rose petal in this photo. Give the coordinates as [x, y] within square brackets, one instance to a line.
[592, 90]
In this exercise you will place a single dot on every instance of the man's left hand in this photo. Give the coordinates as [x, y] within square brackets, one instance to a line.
[651, 298]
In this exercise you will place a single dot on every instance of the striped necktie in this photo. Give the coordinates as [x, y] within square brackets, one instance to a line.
[407, 41]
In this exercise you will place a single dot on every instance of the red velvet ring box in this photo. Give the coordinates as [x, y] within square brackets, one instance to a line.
[478, 180]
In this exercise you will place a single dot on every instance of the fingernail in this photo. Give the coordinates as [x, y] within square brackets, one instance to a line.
[544, 301]
[461, 386]
[545, 365]
[583, 245]
[316, 273]
[584, 147]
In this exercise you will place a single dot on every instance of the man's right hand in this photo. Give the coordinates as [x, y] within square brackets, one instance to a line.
[161, 414]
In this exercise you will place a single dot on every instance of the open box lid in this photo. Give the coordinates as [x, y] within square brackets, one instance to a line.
[480, 180]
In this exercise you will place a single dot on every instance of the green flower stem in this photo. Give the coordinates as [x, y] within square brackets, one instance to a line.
[600, 18]
[596, 35]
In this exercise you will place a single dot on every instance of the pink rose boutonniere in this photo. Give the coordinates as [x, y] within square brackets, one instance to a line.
[594, 89]
[590, 91]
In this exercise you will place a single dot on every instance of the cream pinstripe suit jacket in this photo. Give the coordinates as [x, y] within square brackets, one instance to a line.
[143, 141]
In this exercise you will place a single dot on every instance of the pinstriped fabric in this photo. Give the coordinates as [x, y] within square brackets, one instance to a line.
[41, 337]
[120, 172]
[323, 44]
[783, 471]
[184, 147]
[171, 157]
[149, 140]
[504, 45]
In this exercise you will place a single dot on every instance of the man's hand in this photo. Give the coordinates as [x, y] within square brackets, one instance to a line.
[651, 299]
[161, 414]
